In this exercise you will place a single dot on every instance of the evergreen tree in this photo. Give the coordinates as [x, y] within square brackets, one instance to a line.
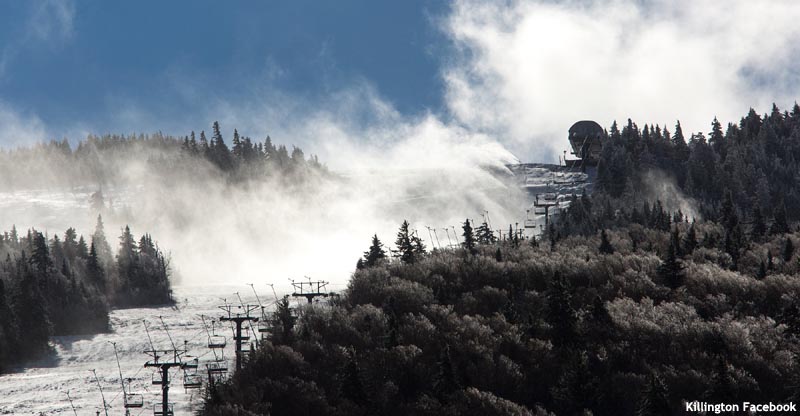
[605, 245]
[94, 270]
[715, 138]
[282, 323]
[419, 246]
[560, 314]
[469, 238]
[100, 243]
[780, 225]
[655, 401]
[690, 240]
[770, 262]
[83, 250]
[70, 245]
[788, 250]
[40, 257]
[238, 148]
[220, 154]
[484, 234]
[126, 262]
[759, 225]
[375, 252]
[762, 271]
[671, 270]
[404, 244]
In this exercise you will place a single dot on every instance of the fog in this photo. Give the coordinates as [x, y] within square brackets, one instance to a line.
[274, 229]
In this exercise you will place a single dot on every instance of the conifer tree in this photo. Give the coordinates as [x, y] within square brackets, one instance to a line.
[716, 137]
[605, 245]
[780, 225]
[759, 225]
[655, 400]
[690, 240]
[560, 314]
[282, 323]
[375, 252]
[404, 244]
[484, 234]
[40, 257]
[419, 246]
[762, 271]
[94, 270]
[788, 250]
[671, 270]
[100, 243]
[469, 238]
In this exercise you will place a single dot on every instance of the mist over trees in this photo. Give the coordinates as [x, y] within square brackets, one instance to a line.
[633, 308]
[751, 166]
[59, 286]
[116, 159]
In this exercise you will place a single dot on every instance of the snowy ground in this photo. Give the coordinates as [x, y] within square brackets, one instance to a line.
[42, 390]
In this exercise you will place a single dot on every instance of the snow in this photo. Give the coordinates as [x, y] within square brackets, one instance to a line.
[42, 388]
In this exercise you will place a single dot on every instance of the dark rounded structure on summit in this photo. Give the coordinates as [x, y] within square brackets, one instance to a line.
[586, 137]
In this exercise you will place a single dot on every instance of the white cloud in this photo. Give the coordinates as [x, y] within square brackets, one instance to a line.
[52, 20]
[529, 69]
[51, 23]
[18, 128]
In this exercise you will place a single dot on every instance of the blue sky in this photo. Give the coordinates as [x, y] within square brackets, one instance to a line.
[77, 63]
[513, 72]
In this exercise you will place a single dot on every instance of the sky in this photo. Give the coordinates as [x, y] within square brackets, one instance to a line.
[360, 73]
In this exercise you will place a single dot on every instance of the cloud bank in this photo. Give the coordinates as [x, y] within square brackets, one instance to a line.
[526, 70]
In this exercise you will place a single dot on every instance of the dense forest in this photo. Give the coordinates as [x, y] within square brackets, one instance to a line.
[65, 286]
[122, 159]
[624, 307]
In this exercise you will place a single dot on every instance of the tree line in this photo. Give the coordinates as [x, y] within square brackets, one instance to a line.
[102, 160]
[66, 286]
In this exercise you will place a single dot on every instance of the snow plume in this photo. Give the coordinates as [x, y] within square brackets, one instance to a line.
[659, 186]
[528, 69]
[425, 171]
[383, 170]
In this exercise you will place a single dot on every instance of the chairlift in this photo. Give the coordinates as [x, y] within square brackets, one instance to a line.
[217, 367]
[133, 401]
[157, 380]
[158, 411]
[193, 363]
[263, 326]
[216, 341]
[192, 381]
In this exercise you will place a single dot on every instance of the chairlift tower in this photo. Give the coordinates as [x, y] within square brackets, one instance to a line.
[174, 358]
[238, 318]
[164, 366]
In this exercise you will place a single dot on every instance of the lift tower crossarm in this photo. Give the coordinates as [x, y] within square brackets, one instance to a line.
[309, 290]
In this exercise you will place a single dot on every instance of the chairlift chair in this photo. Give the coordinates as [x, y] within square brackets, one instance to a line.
[158, 411]
[193, 363]
[134, 401]
[216, 341]
[157, 381]
[192, 381]
[263, 326]
[217, 367]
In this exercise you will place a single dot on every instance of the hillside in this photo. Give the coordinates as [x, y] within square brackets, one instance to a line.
[628, 305]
